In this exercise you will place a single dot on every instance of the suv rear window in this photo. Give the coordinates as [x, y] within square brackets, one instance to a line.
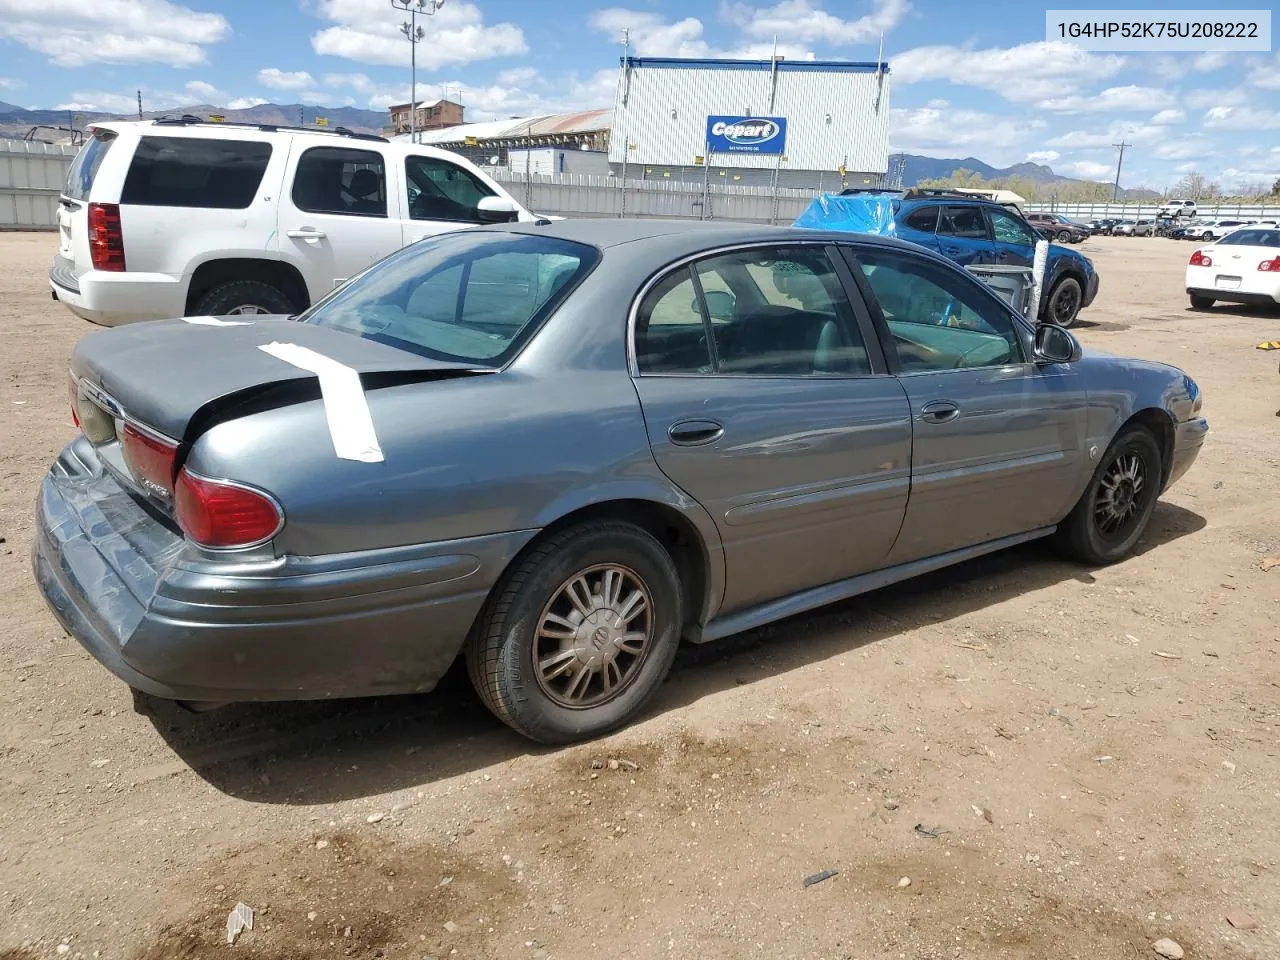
[85, 166]
[191, 172]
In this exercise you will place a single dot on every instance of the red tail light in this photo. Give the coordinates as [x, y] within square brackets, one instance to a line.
[1200, 259]
[106, 238]
[223, 515]
[73, 389]
[1270, 266]
[151, 460]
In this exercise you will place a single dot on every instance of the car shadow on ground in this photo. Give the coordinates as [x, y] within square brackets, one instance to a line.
[1243, 310]
[322, 752]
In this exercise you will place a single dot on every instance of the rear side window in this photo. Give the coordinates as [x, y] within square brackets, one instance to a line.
[964, 222]
[924, 219]
[351, 183]
[190, 172]
[85, 166]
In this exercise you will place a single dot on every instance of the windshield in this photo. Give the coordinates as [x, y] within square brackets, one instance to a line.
[85, 166]
[469, 297]
[1252, 238]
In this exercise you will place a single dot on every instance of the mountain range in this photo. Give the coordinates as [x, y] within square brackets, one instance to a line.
[16, 121]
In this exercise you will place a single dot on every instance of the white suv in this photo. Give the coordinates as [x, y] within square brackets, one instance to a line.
[1178, 208]
[182, 217]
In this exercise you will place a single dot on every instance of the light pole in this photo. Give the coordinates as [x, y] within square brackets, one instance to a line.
[414, 34]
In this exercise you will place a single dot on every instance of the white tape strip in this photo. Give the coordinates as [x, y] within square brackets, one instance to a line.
[217, 322]
[345, 406]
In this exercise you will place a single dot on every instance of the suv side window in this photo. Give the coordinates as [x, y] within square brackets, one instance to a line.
[924, 219]
[439, 190]
[195, 172]
[779, 312]
[939, 319]
[340, 180]
[963, 222]
[1009, 229]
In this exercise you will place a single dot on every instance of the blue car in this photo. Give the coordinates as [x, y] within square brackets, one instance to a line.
[967, 229]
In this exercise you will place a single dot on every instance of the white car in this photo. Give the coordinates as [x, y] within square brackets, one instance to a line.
[172, 218]
[1178, 208]
[1217, 229]
[1242, 267]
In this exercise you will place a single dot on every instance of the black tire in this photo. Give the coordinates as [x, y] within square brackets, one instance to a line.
[1064, 302]
[1199, 302]
[235, 296]
[1207, 236]
[1063, 236]
[501, 649]
[1082, 536]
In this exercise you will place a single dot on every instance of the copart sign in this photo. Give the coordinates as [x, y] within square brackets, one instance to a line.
[746, 134]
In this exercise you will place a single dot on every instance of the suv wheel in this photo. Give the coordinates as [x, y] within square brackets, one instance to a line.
[239, 297]
[1064, 302]
[1063, 236]
[1207, 236]
[579, 634]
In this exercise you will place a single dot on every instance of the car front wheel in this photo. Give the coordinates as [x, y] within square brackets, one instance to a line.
[579, 634]
[1113, 513]
[1064, 302]
[1207, 236]
[1063, 236]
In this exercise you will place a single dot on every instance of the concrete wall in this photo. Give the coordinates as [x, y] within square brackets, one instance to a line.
[31, 177]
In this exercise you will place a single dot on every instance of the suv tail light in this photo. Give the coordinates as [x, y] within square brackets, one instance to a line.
[1200, 259]
[152, 460]
[106, 238]
[1270, 266]
[224, 515]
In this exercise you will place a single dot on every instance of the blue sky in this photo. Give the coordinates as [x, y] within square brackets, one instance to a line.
[967, 79]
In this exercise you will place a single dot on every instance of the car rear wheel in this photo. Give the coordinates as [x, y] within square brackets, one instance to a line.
[243, 297]
[1200, 303]
[1063, 236]
[1064, 302]
[579, 634]
[1207, 236]
[1113, 513]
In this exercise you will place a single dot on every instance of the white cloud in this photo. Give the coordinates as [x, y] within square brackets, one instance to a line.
[11, 83]
[244, 103]
[1241, 118]
[805, 21]
[938, 104]
[1111, 100]
[1043, 156]
[73, 33]
[1134, 134]
[652, 36]
[1169, 116]
[1027, 72]
[205, 92]
[1235, 179]
[1203, 99]
[457, 34]
[518, 76]
[1192, 147]
[1210, 61]
[1186, 167]
[279, 79]
[1267, 76]
[1089, 169]
[948, 133]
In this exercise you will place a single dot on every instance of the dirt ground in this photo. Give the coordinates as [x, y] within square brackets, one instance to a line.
[1099, 747]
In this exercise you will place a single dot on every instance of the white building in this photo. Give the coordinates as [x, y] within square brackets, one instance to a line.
[807, 123]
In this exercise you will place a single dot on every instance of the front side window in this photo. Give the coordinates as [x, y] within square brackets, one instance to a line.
[195, 172]
[439, 190]
[1009, 229]
[964, 222]
[939, 319]
[776, 312]
[342, 181]
[468, 297]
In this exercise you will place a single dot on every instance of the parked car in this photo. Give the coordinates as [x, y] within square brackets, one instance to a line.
[1134, 228]
[968, 230]
[1103, 226]
[1242, 267]
[171, 218]
[1217, 229]
[1187, 231]
[1178, 208]
[764, 420]
[1057, 227]
[1123, 228]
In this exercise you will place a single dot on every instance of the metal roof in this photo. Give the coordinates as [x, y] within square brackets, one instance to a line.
[560, 124]
[784, 65]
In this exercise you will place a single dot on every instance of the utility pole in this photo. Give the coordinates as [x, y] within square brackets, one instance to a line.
[414, 34]
[1115, 191]
[139, 104]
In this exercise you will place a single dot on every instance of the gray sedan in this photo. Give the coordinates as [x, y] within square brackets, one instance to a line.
[559, 449]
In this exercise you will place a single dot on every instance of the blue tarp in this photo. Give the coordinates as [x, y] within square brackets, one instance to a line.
[856, 213]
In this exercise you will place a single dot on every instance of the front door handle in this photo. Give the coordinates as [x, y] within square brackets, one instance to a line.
[695, 433]
[939, 411]
[306, 233]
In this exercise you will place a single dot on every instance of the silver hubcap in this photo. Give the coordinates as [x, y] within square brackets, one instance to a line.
[593, 636]
[248, 308]
[1120, 496]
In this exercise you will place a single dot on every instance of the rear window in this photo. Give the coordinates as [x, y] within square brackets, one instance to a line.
[85, 166]
[468, 297]
[191, 172]
[1252, 238]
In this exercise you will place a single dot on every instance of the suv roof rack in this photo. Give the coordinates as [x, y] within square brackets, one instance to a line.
[943, 192]
[187, 120]
[852, 191]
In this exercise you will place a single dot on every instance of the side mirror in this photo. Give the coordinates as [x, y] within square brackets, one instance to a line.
[721, 304]
[497, 210]
[1054, 344]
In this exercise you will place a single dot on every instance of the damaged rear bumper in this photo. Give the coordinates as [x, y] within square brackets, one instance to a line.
[174, 624]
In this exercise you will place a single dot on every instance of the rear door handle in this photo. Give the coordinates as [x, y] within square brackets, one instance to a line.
[695, 433]
[939, 411]
[306, 233]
